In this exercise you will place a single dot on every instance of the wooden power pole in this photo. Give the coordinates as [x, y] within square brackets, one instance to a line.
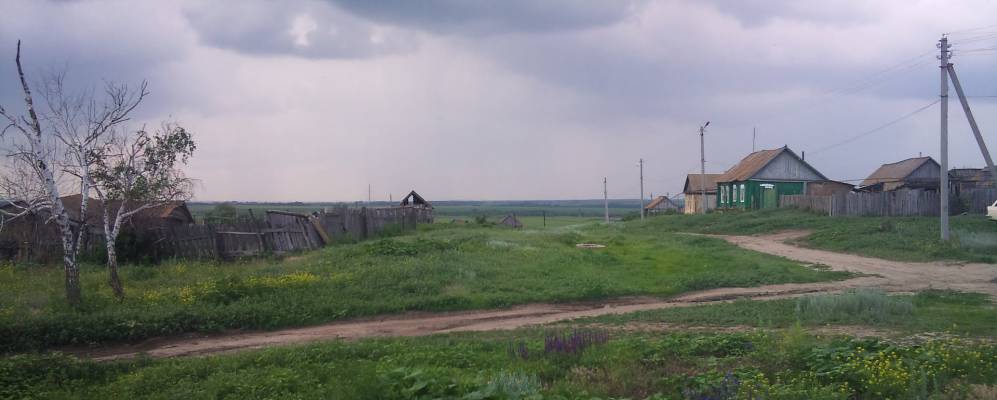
[702, 165]
[605, 198]
[943, 47]
[641, 163]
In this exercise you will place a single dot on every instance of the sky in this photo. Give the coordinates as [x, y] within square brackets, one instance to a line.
[314, 100]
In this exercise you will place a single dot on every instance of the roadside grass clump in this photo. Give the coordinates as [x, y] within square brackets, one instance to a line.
[864, 305]
[970, 314]
[574, 343]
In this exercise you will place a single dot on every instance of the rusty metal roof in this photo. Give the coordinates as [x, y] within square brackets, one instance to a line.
[897, 171]
[754, 162]
[692, 185]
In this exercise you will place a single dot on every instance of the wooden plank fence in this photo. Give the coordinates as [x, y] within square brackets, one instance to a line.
[282, 232]
[893, 204]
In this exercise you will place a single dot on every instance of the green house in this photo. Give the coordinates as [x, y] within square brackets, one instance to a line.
[761, 177]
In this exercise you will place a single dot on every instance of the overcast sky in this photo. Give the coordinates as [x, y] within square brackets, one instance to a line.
[517, 99]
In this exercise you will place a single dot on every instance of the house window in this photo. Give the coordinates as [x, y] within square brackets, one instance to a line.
[742, 193]
[723, 199]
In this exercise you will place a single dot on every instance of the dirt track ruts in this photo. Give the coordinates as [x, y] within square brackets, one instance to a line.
[892, 276]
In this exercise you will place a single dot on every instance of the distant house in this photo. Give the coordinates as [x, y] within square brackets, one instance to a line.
[511, 221]
[912, 173]
[963, 179]
[693, 191]
[759, 179]
[661, 204]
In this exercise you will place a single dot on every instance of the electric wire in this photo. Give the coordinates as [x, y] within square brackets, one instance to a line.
[876, 129]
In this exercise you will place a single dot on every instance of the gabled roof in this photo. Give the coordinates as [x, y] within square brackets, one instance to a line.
[751, 165]
[897, 171]
[414, 199]
[661, 199]
[511, 220]
[692, 183]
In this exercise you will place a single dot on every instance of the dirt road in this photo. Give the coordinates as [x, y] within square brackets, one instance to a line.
[889, 275]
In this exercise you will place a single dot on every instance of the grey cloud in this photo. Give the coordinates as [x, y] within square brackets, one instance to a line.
[299, 28]
[487, 17]
[760, 12]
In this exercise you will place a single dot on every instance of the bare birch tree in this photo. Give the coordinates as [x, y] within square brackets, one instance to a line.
[62, 137]
[137, 171]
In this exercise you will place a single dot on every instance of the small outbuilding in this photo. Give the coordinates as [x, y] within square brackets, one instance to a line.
[661, 205]
[828, 188]
[759, 179]
[693, 191]
[413, 199]
[912, 173]
[511, 221]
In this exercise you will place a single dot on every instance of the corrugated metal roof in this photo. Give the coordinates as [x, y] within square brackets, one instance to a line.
[754, 162]
[897, 171]
[692, 183]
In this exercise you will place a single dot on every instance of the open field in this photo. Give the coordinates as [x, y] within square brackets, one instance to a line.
[895, 238]
[446, 210]
[436, 269]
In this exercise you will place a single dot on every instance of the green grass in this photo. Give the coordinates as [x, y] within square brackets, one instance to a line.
[440, 267]
[930, 311]
[788, 365]
[895, 238]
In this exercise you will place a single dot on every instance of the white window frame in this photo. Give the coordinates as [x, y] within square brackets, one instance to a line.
[742, 193]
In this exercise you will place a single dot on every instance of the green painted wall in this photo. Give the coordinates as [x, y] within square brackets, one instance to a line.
[753, 193]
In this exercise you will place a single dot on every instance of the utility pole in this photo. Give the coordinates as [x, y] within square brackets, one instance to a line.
[753, 135]
[641, 163]
[368, 193]
[943, 48]
[972, 122]
[605, 198]
[702, 165]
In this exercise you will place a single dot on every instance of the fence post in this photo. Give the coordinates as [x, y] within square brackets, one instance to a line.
[363, 223]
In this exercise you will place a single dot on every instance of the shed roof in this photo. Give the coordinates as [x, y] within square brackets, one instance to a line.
[897, 171]
[661, 199]
[414, 199]
[751, 165]
[95, 213]
[692, 185]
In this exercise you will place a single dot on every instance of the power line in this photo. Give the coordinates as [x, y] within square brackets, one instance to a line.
[876, 129]
[970, 30]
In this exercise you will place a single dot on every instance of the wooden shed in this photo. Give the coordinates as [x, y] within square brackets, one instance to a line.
[511, 221]
[661, 205]
[693, 192]
[828, 188]
[759, 179]
[912, 173]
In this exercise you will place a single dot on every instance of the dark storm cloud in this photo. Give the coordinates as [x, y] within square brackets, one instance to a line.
[485, 17]
[299, 28]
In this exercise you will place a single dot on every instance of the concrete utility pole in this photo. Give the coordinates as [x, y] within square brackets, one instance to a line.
[943, 48]
[368, 193]
[753, 135]
[972, 123]
[702, 165]
[605, 198]
[641, 163]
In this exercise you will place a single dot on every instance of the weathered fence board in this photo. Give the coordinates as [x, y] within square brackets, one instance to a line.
[282, 232]
[894, 203]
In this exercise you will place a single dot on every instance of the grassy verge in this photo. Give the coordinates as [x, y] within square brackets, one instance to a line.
[533, 364]
[896, 238]
[436, 269]
[930, 311]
